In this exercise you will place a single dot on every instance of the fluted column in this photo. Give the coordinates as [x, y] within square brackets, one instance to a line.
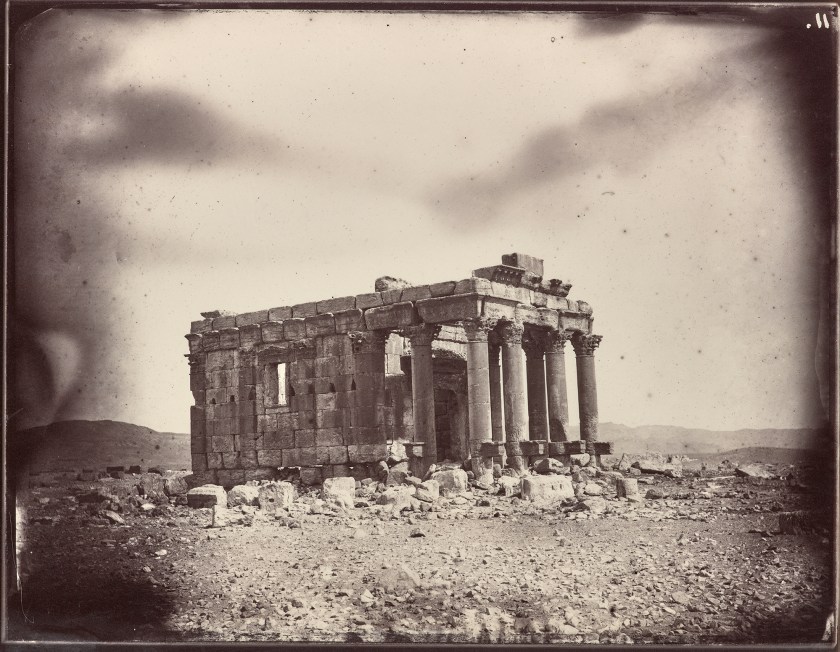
[423, 391]
[515, 397]
[478, 393]
[534, 345]
[585, 346]
[555, 373]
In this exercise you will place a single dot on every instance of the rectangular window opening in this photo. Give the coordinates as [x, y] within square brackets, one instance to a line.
[277, 384]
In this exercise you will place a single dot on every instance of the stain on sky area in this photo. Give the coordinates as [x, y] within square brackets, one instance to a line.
[71, 127]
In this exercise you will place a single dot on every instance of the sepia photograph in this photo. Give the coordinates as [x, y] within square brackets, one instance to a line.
[418, 323]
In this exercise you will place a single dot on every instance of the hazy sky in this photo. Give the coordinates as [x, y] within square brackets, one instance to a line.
[168, 163]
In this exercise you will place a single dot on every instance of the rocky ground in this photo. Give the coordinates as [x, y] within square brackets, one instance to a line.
[700, 557]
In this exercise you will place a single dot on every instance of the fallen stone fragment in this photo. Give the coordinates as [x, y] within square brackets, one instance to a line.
[656, 494]
[243, 494]
[661, 468]
[593, 489]
[547, 487]
[398, 580]
[680, 597]
[397, 497]
[627, 487]
[416, 533]
[224, 517]
[509, 486]
[208, 495]
[754, 471]
[175, 486]
[428, 491]
[275, 495]
[452, 481]
[113, 517]
[595, 505]
[339, 488]
[152, 485]
[548, 465]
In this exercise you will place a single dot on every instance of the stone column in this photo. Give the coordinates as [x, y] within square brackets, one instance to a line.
[535, 371]
[515, 401]
[423, 391]
[555, 373]
[585, 346]
[478, 393]
[496, 414]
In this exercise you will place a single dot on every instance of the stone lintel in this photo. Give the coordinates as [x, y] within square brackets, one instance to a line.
[574, 322]
[576, 447]
[602, 447]
[457, 307]
[539, 317]
[397, 315]
[499, 309]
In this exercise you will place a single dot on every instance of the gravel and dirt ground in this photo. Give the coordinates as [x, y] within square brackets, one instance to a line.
[706, 563]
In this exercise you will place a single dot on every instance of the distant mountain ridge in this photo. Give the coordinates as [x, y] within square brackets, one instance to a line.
[69, 445]
[680, 440]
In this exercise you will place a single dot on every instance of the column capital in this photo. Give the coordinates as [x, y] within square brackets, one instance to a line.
[585, 345]
[421, 334]
[477, 330]
[534, 343]
[368, 340]
[556, 341]
[511, 332]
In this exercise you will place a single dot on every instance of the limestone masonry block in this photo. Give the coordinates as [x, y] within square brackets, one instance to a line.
[250, 335]
[214, 461]
[320, 325]
[311, 476]
[367, 452]
[304, 309]
[391, 296]
[279, 314]
[455, 307]
[218, 360]
[415, 293]
[243, 494]
[221, 443]
[201, 326]
[556, 303]
[278, 439]
[349, 320]
[335, 305]
[199, 462]
[208, 495]
[364, 301]
[270, 458]
[272, 331]
[472, 285]
[294, 329]
[530, 264]
[248, 459]
[251, 318]
[224, 322]
[276, 495]
[325, 437]
[229, 338]
[452, 481]
[230, 460]
[547, 487]
[397, 315]
[230, 477]
[442, 289]
[339, 488]
[337, 455]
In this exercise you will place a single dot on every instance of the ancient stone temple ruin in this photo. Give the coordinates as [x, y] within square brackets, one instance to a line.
[470, 370]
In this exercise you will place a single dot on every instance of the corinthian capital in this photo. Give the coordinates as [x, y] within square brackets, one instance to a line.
[477, 330]
[422, 334]
[534, 344]
[585, 344]
[511, 332]
[556, 341]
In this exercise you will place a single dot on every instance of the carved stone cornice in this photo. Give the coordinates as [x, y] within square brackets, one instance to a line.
[478, 330]
[421, 334]
[585, 345]
[556, 341]
[364, 341]
[511, 332]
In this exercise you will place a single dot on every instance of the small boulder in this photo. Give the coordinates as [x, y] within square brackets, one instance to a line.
[595, 505]
[452, 481]
[428, 491]
[547, 487]
[398, 580]
[208, 495]
[754, 471]
[175, 486]
[548, 465]
[593, 489]
[243, 494]
[113, 517]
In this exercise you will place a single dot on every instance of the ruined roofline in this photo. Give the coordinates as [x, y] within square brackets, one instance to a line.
[502, 292]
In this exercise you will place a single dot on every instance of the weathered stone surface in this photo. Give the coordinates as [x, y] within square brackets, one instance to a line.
[451, 308]
[397, 315]
[509, 485]
[627, 488]
[275, 495]
[207, 495]
[338, 487]
[452, 481]
[385, 283]
[224, 517]
[548, 465]
[243, 494]
[152, 486]
[428, 491]
[547, 487]
[335, 305]
[593, 489]
[656, 466]
[175, 486]
[754, 471]
[399, 497]
[596, 505]
[398, 580]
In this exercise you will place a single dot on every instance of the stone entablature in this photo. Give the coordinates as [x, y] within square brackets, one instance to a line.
[365, 370]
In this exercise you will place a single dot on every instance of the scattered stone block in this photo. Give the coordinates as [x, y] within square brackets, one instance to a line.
[224, 517]
[338, 487]
[275, 495]
[548, 465]
[398, 580]
[175, 485]
[509, 485]
[547, 487]
[754, 471]
[627, 487]
[428, 491]
[452, 481]
[207, 495]
[243, 494]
